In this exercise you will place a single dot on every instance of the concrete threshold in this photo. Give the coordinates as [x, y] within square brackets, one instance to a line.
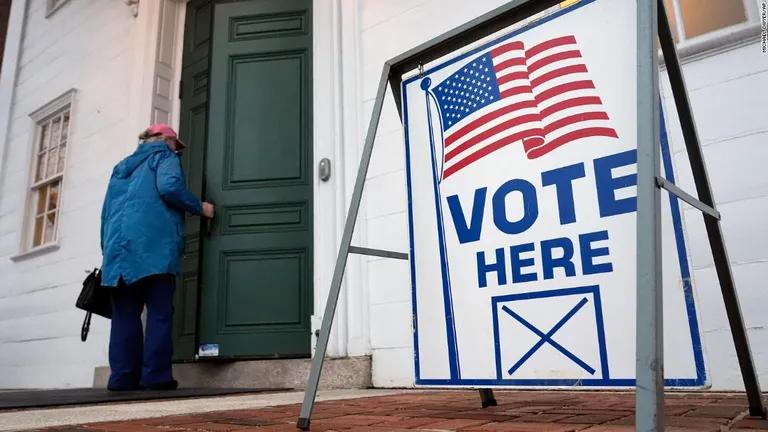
[41, 418]
[338, 373]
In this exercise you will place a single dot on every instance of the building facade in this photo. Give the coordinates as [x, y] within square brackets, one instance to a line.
[81, 78]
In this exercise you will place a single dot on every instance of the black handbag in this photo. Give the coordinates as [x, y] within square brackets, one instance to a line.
[93, 299]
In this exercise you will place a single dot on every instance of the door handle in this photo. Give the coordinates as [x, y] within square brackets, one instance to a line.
[209, 222]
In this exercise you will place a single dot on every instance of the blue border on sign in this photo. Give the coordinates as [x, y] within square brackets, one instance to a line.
[589, 289]
[682, 253]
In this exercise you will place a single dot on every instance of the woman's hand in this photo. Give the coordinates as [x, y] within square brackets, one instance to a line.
[208, 210]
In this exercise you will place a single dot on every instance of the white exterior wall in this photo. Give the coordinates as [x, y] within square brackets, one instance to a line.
[87, 46]
[728, 93]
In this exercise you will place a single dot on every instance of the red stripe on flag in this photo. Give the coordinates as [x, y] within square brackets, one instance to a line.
[517, 61]
[564, 88]
[511, 77]
[571, 136]
[565, 55]
[501, 127]
[474, 124]
[557, 73]
[573, 119]
[552, 43]
[485, 151]
[516, 91]
[514, 45]
[570, 103]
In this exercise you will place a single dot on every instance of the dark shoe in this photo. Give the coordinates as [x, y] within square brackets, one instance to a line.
[123, 388]
[168, 385]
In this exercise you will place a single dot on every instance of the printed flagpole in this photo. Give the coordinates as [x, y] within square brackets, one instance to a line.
[453, 358]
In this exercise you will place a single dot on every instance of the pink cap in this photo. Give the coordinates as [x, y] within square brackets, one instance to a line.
[165, 130]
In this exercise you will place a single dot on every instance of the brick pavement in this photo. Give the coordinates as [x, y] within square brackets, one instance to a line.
[518, 411]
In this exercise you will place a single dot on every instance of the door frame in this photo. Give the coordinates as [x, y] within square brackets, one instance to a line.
[336, 131]
[337, 136]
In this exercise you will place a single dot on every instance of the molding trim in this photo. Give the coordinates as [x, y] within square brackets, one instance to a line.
[40, 250]
[715, 43]
[54, 106]
[51, 7]
[13, 42]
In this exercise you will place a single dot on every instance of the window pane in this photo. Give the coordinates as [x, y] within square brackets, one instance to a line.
[37, 239]
[65, 127]
[45, 136]
[56, 132]
[50, 227]
[53, 196]
[41, 199]
[40, 173]
[703, 16]
[62, 155]
[53, 161]
[671, 18]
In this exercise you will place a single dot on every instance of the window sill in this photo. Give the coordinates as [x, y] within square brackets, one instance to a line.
[37, 251]
[714, 43]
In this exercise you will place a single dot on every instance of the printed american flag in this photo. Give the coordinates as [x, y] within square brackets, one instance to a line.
[541, 97]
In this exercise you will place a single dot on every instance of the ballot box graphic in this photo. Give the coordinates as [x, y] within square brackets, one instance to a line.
[527, 328]
[521, 171]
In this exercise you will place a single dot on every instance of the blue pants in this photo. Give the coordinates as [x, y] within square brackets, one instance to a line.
[135, 358]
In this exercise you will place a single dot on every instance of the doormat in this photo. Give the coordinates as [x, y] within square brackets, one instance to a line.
[16, 399]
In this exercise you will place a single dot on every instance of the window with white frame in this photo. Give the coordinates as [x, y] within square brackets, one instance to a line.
[49, 159]
[695, 19]
[53, 5]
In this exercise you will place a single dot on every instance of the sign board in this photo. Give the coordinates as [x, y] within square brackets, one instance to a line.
[521, 167]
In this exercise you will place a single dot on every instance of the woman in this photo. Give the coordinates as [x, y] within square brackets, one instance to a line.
[142, 232]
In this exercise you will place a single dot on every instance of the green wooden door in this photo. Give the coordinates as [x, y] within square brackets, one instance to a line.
[256, 271]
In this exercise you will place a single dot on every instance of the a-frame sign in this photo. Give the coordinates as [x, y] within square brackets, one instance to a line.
[517, 136]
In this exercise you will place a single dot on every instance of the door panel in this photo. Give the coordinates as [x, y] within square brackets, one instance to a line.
[257, 256]
[263, 161]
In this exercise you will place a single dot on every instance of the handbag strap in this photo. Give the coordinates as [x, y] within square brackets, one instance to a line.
[86, 327]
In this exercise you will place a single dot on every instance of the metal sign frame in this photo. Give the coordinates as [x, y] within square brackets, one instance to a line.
[652, 23]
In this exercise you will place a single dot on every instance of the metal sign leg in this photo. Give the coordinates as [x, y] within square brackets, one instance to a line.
[649, 411]
[711, 222]
[341, 259]
[487, 399]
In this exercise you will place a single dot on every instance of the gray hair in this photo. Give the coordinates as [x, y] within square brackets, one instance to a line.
[149, 136]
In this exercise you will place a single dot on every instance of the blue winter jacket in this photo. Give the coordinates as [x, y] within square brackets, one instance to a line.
[142, 220]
